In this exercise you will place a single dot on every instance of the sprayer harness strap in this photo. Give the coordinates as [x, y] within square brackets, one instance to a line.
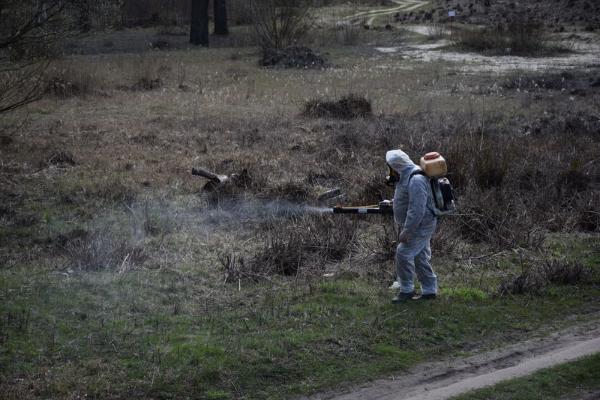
[421, 172]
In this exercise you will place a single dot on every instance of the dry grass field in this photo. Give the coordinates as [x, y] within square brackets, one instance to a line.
[121, 278]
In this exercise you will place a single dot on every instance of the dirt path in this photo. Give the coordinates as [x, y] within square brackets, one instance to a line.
[442, 380]
[402, 5]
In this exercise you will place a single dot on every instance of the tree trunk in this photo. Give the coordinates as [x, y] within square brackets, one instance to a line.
[199, 24]
[220, 12]
[85, 21]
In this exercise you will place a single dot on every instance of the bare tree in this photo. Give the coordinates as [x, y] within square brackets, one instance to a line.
[279, 23]
[220, 12]
[27, 29]
[199, 23]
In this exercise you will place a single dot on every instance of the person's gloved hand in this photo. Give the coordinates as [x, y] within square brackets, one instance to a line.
[403, 237]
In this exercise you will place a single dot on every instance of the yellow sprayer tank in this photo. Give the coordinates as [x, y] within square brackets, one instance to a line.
[434, 165]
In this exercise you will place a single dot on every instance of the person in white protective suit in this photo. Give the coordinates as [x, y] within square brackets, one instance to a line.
[413, 212]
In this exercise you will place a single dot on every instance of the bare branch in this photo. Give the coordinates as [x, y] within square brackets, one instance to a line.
[37, 20]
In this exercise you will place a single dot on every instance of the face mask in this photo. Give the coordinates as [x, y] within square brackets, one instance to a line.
[392, 177]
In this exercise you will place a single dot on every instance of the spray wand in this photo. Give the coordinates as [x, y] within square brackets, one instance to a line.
[383, 208]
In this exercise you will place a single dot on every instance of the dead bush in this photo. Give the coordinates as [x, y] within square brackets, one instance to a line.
[283, 254]
[279, 23]
[537, 276]
[154, 218]
[60, 158]
[446, 239]
[102, 250]
[498, 219]
[565, 273]
[146, 74]
[25, 220]
[71, 82]
[384, 248]
[529, 281]
[436, 31]
[532, 178]
[519, 37]
[348, 34]
[160, 44]
[291, 57]
[572, 180]
[490, 168]
[588, 218]
[147, 84]
[235, 268]
[576, 123]
[62, 240]
[309, 242]
[346, 107]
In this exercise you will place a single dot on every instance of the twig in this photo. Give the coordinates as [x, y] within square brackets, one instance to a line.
[483, 256]
[122, 267]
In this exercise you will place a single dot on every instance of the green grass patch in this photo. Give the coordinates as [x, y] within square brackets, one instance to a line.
[124, 334]
[571, 380]
[465, 293]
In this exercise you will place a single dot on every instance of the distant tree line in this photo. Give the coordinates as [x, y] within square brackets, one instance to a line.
[31, 29]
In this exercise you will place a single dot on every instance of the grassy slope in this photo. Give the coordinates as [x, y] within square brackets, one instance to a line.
[568, 381]
[150, 334]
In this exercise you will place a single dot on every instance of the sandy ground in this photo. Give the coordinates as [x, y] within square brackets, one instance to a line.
[586, 55]
[447, 378]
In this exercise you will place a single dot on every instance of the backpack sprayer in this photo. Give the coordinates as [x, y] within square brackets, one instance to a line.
[433, 166]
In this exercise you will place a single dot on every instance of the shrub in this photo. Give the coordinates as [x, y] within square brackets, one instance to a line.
[498, 219]
[588, 218]
[147, 84]
[520, 37]
[490, 168]
[348, 34]
[529, 281]
[309, 241]
[234, 268]
[102, 250]
[565, 273]
[534, 278]
[291, 57]
[346, 107]
[279, 23]
[61, 157]
[436, 31]
[146, 75]
[71, 82]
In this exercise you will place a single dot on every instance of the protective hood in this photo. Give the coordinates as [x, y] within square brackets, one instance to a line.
[400, 162]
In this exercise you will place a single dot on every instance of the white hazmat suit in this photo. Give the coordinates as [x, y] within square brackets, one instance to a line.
[413, 212]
